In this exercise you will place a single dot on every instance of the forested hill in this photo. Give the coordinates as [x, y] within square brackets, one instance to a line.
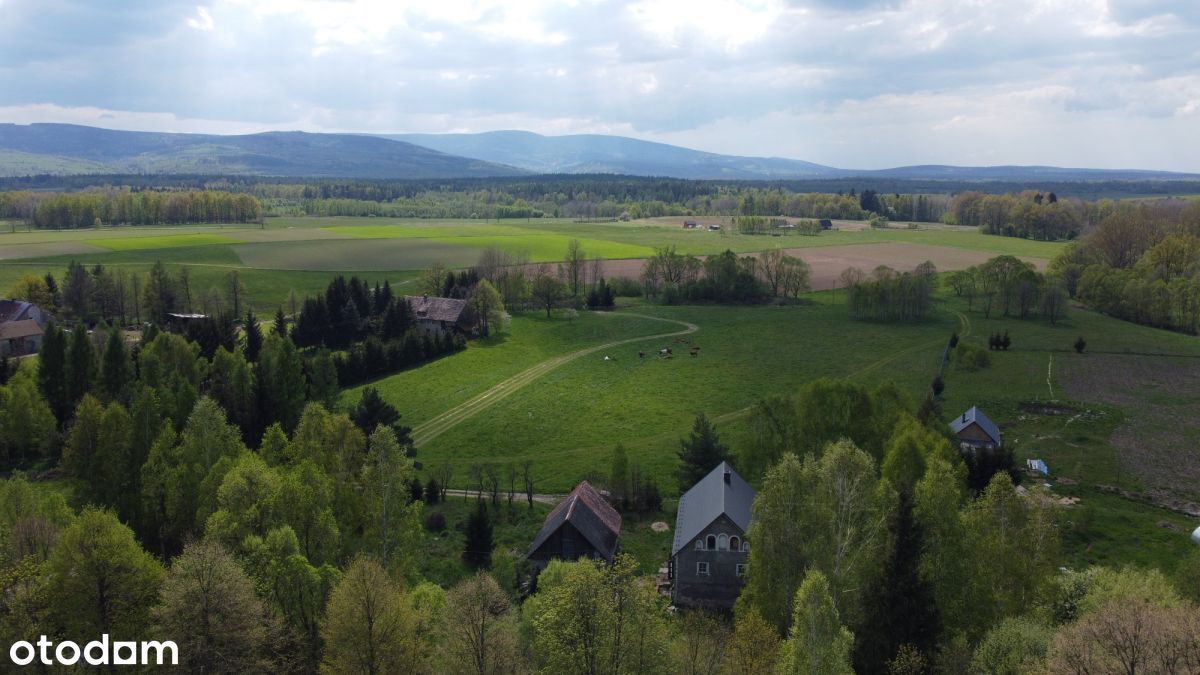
[594, 153]
[67, 148]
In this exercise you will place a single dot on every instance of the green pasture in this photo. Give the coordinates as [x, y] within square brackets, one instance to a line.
[568, 421]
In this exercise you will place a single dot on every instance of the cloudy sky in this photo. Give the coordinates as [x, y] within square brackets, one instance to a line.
[849, 83]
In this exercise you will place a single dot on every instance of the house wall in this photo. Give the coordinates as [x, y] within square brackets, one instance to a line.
[565, 544]
[975, 435]
[21, 346]
[721, 587]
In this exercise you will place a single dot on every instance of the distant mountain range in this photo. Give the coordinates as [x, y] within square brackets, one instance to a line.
[592, 153]
[65, 149]
[69, 148]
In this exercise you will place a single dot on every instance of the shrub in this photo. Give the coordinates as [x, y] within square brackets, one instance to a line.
[938, 385]
[436, 522]
[970, 357]
[1080, 345]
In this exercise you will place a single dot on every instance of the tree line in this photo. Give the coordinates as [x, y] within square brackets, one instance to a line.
[97, 208]
[671, 277]
[1141, 263]
[888, 295]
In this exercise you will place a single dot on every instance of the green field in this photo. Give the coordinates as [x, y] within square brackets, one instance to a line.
[528, 393]
[568, 420]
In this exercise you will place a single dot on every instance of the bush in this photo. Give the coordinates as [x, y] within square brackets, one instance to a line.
[436, 522]
[938, 385]
[970, 357]
[1080, 345]
[625, 288]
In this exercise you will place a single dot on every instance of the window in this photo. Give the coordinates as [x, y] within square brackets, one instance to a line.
[699, 544]
[723, 543]
[702, 569]
[710, 542]
[745, 546]
[741, 570]
[735, 543]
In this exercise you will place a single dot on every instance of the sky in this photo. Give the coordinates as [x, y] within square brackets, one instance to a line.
[848, 83]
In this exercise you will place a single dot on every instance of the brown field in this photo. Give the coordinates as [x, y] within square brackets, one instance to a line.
[828, 262]
[1159, 442]
[14, 251]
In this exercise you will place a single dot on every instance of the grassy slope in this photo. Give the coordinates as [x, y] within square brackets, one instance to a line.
[569, 421]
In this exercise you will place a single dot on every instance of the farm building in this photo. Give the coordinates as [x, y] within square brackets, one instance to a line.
[975, 431]
[583, 525]
[18, 338]
[21, 327]
[438, 315]
[826, 224]
[710, 551]
[690, 225]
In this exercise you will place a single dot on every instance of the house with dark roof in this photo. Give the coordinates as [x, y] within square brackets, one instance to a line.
[976, 432]
[21, 327]
[584, 525]
[710, 553]
[438, 315]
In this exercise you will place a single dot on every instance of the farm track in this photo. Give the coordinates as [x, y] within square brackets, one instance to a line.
[446, 421]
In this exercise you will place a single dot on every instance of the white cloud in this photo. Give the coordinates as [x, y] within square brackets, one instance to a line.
[202, 21]
[858, 83]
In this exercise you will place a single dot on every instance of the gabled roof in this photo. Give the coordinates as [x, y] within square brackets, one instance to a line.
[976, 416]
[436, 309]
[12, 330]
[708, 499]
[14, 310]
[590, 514]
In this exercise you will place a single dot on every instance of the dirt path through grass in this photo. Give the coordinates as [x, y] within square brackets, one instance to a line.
[435, 427]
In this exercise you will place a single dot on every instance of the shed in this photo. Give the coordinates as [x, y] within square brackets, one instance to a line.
[583, 525]
[826, 224]
[689, 225]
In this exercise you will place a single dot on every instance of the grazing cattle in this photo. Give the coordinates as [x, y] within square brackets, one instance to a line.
[641, 355]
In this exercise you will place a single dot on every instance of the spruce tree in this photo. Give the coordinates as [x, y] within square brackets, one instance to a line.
[81, 365]
[115, 367]
[254, 337]
[52, 371]
[478, 550]
[699, 453]
[280, 323]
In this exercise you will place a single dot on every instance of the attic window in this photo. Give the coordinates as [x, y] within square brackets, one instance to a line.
[699, 544]
[710, 542]
[723, 543]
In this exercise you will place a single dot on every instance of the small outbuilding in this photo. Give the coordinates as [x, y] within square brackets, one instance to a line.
[710, 553]
[975, 431]
[690, 225]
[584, 525]
[826, 224]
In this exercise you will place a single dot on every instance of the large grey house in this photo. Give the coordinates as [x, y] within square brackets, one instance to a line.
[710, 553]
[438, 315]
[21, 327]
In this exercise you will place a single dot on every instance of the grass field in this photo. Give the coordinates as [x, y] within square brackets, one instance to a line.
[1124, 415]
[570, 419]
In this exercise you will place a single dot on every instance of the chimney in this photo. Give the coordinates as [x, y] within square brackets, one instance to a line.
[727, 475]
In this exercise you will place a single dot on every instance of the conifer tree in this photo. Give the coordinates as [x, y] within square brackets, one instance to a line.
[700, 453]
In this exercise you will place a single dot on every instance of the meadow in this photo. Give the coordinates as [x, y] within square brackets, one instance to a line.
[565, 411]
